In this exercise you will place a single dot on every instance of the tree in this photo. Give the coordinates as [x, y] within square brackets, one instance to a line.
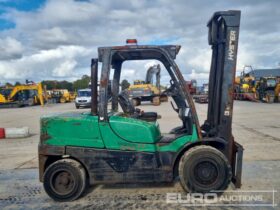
[17, 83]
[81, 83]
[8, 84]
[53, 84]
[125, 84]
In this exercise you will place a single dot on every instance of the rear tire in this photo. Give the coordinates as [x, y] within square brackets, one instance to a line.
[65, 180]
[203, 169]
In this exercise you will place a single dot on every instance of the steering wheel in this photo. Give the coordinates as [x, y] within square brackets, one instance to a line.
[125, 103]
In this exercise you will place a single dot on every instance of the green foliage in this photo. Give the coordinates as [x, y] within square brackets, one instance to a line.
[17, 83]
[81, 83]
[8, 84]
[53, 84]
[125, 84]
[71, 86]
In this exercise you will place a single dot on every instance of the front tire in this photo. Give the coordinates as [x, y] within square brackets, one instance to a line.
[31, 102]
[203, 169]
[62, 100]
[136, 101]
[65, 180]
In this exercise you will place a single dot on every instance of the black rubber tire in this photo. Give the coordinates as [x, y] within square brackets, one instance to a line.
[31, 102]
[192, 168]
[78, 182]
[163, 98]
[77, 107]
[134, 101]
[62, 100]
[156, 101]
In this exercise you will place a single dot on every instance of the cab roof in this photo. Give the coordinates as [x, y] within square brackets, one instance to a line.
[139, 52]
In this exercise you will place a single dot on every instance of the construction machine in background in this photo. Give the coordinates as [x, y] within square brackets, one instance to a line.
[202, 96]
[268, 89]
[61, 96]
[108, 145]
[192, 86]
[245, 86]
[148, 90]
[72, 95]
[277, 91]
[22, 95]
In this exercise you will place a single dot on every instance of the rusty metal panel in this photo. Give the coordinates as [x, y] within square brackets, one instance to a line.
[111, 166]
[94, 79]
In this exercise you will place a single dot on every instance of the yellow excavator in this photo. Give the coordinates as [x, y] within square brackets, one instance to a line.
[28, 94]
[148, 90]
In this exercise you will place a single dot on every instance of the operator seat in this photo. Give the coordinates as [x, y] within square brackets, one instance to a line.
[187, 127]
[128, 108]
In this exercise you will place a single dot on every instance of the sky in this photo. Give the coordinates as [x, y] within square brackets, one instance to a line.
[56, 39]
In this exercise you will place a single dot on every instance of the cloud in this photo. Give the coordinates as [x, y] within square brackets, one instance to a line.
[201, 60]
[48, 38]
[58, 39]
[10, 48]
[46, 64]
[65, 69]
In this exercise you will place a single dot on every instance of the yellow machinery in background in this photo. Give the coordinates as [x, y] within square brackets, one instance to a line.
[148, 90]
[22, 95]
[245, 86]
[277, 90]
[72, 95]
[61, 95]
[268, 89]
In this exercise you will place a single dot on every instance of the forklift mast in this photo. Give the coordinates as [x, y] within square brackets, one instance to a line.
[223, 38]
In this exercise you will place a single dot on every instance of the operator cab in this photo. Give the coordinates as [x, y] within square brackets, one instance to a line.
[112, 59]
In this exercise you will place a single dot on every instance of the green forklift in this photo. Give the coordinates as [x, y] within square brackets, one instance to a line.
[107, 145]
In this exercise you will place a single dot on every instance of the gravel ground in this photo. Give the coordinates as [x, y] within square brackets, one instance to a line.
[255, 125]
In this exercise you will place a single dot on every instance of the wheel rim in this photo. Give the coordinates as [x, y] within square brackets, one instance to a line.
[62, 182]
[206, 173]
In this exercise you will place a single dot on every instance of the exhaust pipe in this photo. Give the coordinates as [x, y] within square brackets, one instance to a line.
[94, 75]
